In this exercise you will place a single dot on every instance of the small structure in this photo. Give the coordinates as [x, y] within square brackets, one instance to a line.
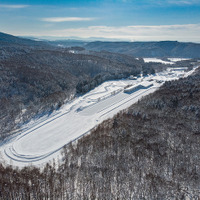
[139, 86]
[178, 69]
[131, 77]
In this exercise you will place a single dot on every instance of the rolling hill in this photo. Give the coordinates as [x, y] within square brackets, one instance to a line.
[149, 49]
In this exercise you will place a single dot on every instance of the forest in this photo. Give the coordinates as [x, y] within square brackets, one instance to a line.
[148, 151]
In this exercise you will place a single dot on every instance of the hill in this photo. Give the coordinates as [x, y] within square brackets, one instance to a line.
[7, 39]
[11, 45]
[149, 49]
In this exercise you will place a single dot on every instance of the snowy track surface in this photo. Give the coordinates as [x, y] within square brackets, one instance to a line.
[40, 141]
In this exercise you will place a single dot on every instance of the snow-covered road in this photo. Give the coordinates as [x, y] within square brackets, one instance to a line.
[42, 140]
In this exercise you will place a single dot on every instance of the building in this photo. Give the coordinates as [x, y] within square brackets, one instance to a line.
[139, 86]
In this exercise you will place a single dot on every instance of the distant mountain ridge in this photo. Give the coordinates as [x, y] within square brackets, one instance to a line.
[149, 49]
[136, 49]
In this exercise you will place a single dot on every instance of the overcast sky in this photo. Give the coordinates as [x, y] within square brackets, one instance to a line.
[130, 20]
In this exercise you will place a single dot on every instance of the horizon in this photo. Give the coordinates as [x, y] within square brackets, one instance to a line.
[111, 20]
[55, 38]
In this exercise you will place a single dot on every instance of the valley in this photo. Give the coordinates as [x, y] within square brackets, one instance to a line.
[41, 140]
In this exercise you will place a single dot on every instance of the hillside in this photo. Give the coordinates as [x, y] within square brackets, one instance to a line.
[6, 39]
[137, 49]
[149, 151]
[11, 45]
[35, 80]
[149, 49]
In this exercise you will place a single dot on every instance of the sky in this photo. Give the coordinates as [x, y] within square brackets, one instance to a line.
[123, 20]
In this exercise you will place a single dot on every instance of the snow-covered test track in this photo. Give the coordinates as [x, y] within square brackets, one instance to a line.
[40, 141]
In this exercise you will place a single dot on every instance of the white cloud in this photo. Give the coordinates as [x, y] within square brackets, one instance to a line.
[165, 2]
[66, 19]
[11, 6]
[174, 2]
[184, 2]
[185, 32]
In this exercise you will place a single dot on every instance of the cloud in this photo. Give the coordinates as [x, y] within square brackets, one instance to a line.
[184, 2]
[11, 6]
[66, 19]
[184, 32]
[174, 2]
[165, 2]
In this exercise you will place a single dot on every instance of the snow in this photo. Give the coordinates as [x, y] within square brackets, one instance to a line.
[171, 60]
[60, 45]
[41, 140]
[157, 60]
[178, 59]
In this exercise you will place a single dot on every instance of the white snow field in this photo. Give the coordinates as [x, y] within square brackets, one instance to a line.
[171, 60]
[157, 60]
[178, 59]
[41, 140]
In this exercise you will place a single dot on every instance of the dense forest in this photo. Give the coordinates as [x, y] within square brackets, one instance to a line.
[148, 151]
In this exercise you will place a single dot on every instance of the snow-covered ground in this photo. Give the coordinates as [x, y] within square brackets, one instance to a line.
[171, 60]
[178, 59]
[41, 140]
[157, 60]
